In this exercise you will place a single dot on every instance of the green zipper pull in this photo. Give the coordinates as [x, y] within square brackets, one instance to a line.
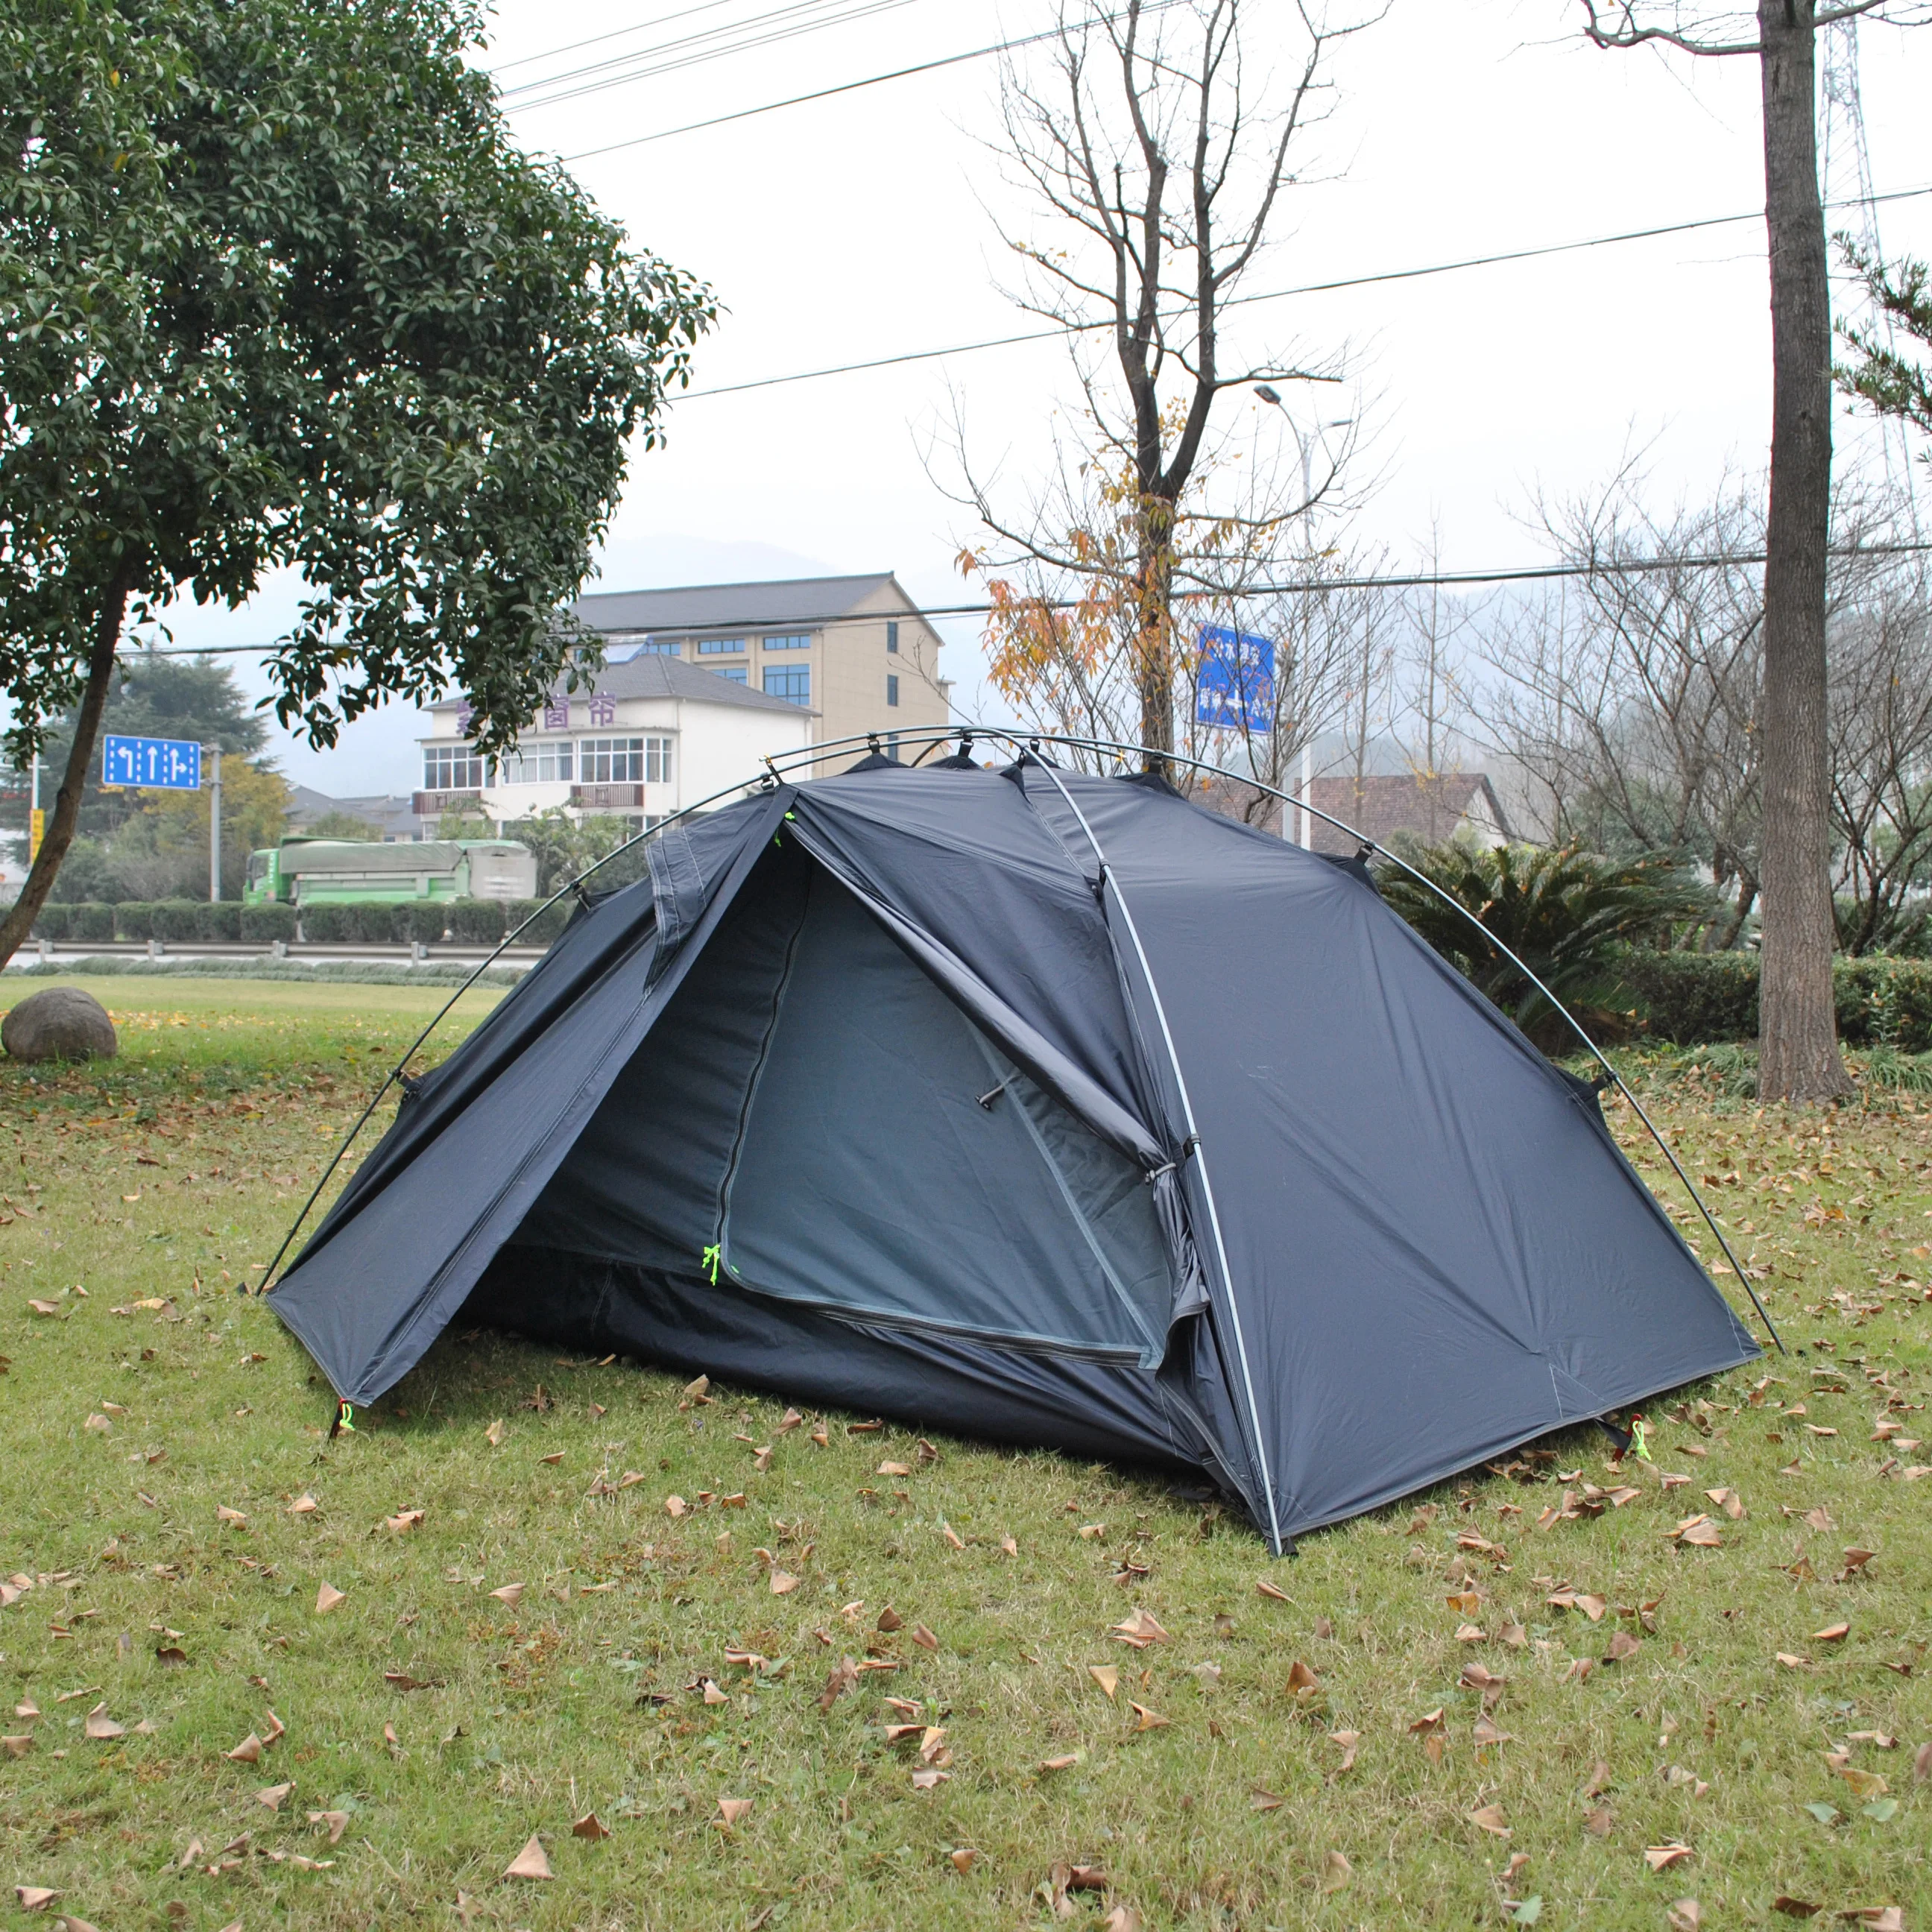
[709, 1260]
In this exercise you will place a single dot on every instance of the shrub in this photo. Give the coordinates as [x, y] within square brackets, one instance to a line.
[220, 923]
[134, 918]
[420, 919]
[262, 925]
[52, 921]
[477, 921]
[175, 920]
[1693, 999]
[548, 925]
[93, 921]
[327, 925]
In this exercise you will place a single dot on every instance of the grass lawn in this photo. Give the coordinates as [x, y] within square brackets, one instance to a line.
[1479, 1707]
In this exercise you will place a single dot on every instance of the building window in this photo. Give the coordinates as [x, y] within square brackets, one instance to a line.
[657, 760]
[542, 763]
[799, 641]
[451, 768]
[611, 761]
[720, 646]
[793, 684]
[892, 635]
[892, 746]
[891, 688]
[736, 672]
[660, 647]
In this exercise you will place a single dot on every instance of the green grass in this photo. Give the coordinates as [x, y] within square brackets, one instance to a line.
[160, 1175]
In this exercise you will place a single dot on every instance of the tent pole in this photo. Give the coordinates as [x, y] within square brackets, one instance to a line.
[1108, 878]
[1456, 905]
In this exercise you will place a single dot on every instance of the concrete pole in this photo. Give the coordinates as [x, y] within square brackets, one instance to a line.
[1306, 841]
[214, 829]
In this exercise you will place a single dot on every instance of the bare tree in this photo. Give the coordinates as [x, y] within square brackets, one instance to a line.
[1156, 165]
[1798, 1057]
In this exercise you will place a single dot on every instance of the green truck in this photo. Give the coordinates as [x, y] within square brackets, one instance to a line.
[342, 871]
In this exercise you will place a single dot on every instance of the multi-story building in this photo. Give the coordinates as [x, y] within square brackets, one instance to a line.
[650, 736]
[854, 650]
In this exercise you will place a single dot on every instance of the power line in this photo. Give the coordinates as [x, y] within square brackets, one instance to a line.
[615, 34]
[1391, 580]
[1492, 260]
[843, 87]
[691, 50]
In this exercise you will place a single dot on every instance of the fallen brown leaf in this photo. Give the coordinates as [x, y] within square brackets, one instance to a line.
[963, 1860]
[530, 1862]
[1106, 1676]
[924, 1638]
[337, 1823]
[511, 1594]
[272, 1795]
[1490, 1818]
[1831, 1634]
[732, 1812]
[1661, 1858]
[248, 1751]
[100, 1726]
[588, 1826]
[326, 1598]
[1150, 1721]
[1335, 1871]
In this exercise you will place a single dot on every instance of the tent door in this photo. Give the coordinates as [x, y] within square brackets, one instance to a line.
[892, 1167]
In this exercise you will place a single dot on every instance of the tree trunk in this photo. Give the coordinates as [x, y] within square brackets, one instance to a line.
[19, 919]
[1798, 1047]
[1154, 588]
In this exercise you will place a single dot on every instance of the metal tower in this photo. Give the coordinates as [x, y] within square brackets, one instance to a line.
[1844, 180]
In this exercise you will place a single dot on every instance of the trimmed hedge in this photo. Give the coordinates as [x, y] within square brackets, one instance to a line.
[178, 922]
[1692, 999]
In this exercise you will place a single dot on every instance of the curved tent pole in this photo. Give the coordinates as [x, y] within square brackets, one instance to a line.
[1200, 1151]
[1422, 878]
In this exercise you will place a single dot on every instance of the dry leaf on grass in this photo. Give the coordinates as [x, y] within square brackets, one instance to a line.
[1831, 1634]
[1622, 1646]
[1350, 1742]
[1335, 1871]
[404, 1520]
[783, 1582]
[732, 1812]
[1140, 1629]
[326, 1598]
[248, 1751]
[1264, 1588]
[1149, 1720]
[924, 1638]
[890, 1620]
[1259, 1800]
[929, 1778]
[510, 1594]
[1065, 1762]
[1122, 1919]
[100, 1726]
[493, 1435]
[222, 1513]
[1106, 1676]
[272, 1795]
[530, 1862]
[337, 1823]
[1685, 1914]
[1490, 1818]
[1600, 1779]
[963, 1859]
[1661, 1858]
[34, 1897]
[588, 1826]
[17, 1746]
[305, 1505]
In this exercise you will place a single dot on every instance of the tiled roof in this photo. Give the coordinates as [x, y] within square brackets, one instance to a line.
[1382, 807]
[767, 605]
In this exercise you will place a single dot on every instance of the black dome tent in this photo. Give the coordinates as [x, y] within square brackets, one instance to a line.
[1038, 1106]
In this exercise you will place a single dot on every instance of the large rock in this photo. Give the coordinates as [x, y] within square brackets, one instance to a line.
[63, 1023]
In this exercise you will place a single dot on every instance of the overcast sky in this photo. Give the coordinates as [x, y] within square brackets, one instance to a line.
[864, 226]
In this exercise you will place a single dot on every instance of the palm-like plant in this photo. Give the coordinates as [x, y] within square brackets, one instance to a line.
[1565, 913]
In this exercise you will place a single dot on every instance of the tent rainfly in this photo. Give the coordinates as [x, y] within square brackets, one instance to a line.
[1038, 1107]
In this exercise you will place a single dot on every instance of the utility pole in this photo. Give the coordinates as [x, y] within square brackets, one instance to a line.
[214, 828]
[36, 825]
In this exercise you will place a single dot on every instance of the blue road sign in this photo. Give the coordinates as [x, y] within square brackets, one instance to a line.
[165, 764]
[1235, 688]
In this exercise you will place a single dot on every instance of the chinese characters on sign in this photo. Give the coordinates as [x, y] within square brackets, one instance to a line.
[556, 717]
[1235, 688]
[603, 711]
[165, 764]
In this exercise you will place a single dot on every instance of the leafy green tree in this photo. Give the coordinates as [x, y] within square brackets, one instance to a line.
[566, 847]
[344, 825]
[1566, 914]
[280, 290]
[1896, 381]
